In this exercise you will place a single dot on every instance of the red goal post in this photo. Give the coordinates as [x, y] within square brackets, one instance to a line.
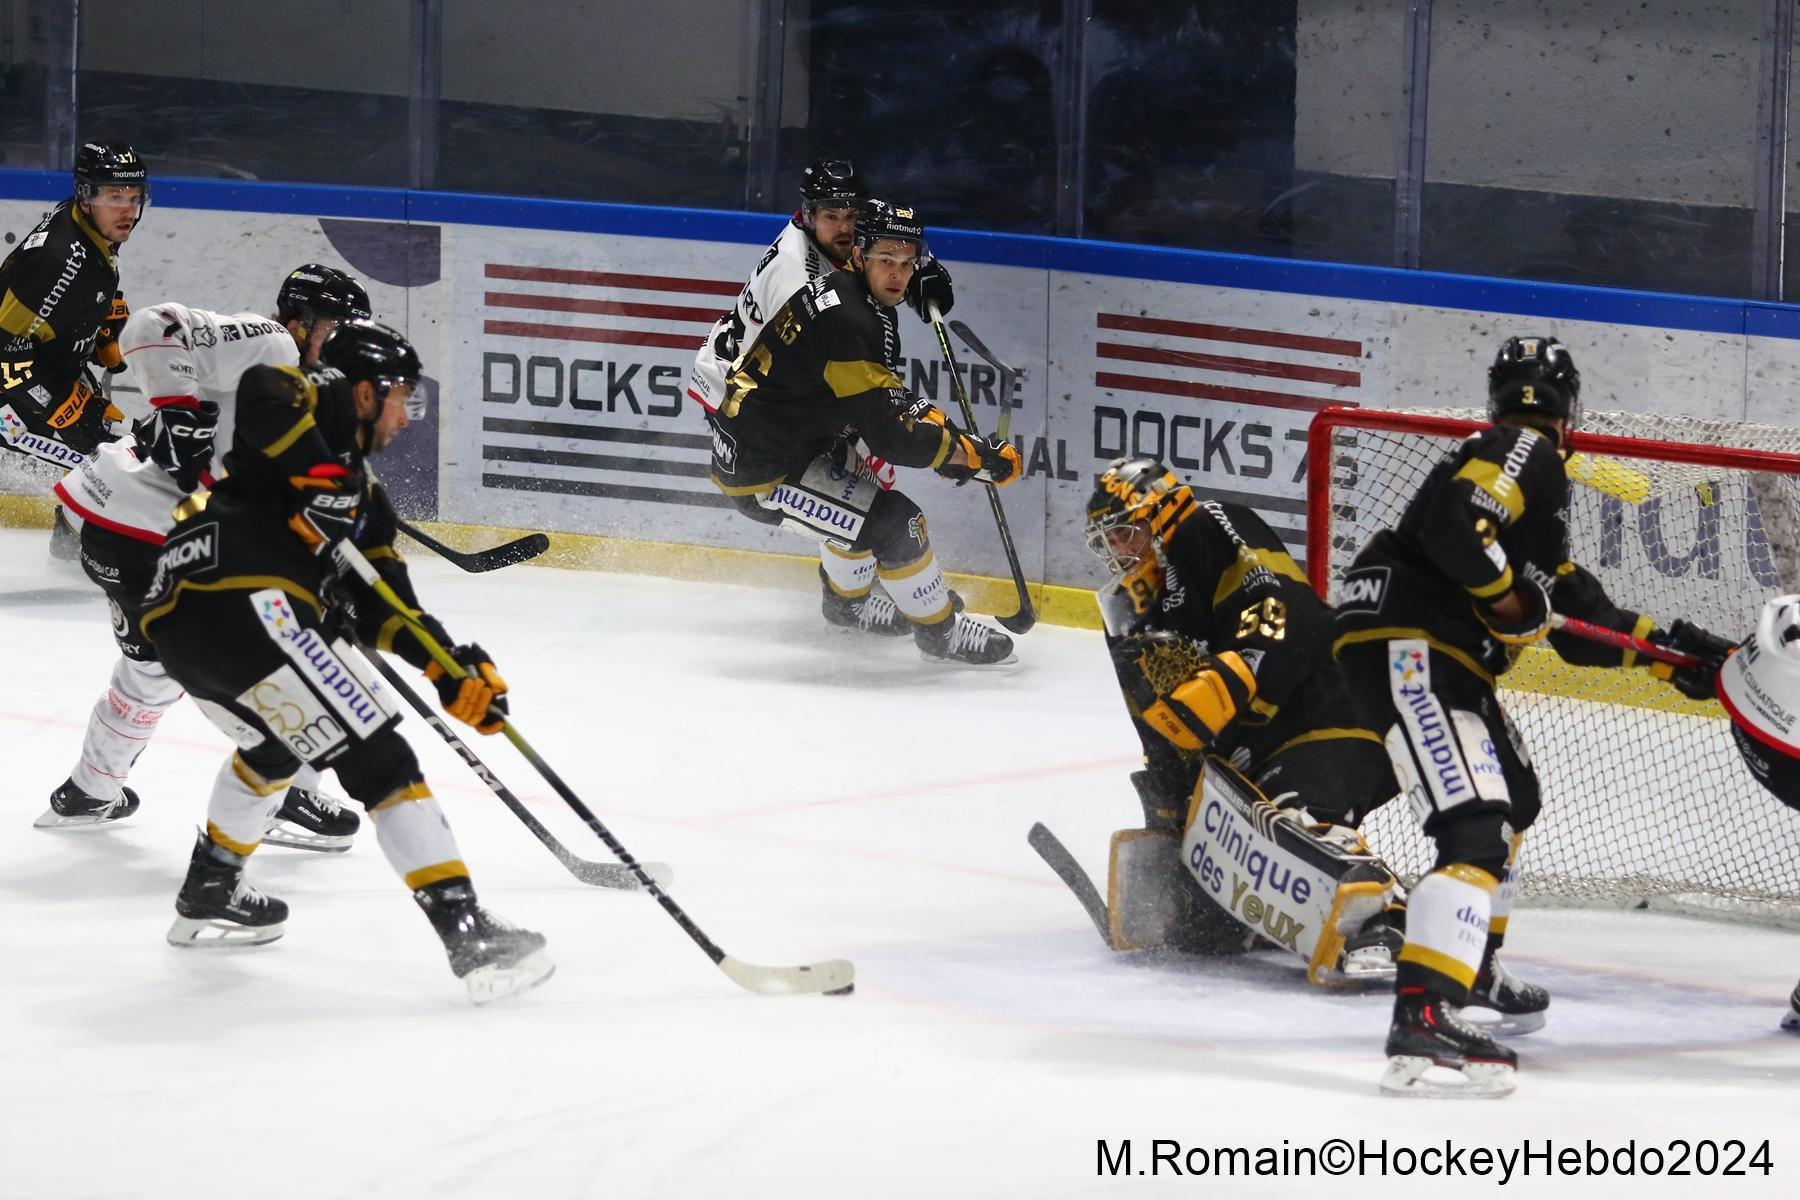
[1646, 799]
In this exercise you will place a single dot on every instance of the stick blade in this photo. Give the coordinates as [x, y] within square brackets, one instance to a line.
[1057, 857]
[833, 975]
[618, 876]
[1021, 621]
[510, 554]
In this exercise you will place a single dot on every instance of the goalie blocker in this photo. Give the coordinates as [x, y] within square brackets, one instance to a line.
[1302, 889]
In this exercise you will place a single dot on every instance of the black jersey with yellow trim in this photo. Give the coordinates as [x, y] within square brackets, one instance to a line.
[56, 291]
[1225, 581]
[1490, 512]
[824, 367]
[287, 423]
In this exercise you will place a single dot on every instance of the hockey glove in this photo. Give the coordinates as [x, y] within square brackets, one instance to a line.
[989, 460]
[106, 345]
[1696, 683]
[1519, 617]
[1187, 696]
[179, 439]
[328, 498]
[478, 698]
[931, 285]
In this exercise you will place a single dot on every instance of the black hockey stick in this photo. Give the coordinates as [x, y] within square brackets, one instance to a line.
[492, 559]
[1054, 853]
[1026, 617]
[599, 874]
[835, 977]
[1007, 374]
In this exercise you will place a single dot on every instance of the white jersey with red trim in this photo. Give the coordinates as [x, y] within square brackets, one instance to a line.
[792, 261]
[177, 355]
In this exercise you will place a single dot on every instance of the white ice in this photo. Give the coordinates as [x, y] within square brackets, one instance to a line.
[819, 796]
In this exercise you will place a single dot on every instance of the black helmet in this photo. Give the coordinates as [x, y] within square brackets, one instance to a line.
[99, 164]
[1133, 491]
[880, 221]
[313, 291]
[1534, 375]
[832, 182]
[372, 351]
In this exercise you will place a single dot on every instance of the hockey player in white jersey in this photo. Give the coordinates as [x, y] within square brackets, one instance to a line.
[817, 241]
[187, 362]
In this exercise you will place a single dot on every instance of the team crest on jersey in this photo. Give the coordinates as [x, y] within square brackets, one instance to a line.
[204, 336]
[35, 240]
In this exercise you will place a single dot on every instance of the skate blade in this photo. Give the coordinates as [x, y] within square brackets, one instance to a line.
[497, 982]
[294, 837]
[969, 666]
[55, 820]
[1426, 1078]
[1495, 1023]
[1371, 965]
[1791, 1021]
[196, 933]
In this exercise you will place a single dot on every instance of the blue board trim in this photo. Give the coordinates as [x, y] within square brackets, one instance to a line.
[1546, 301]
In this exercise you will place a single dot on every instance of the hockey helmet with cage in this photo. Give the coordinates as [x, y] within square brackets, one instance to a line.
[104, 164]
[313, 290]
[1534, 376]
[1139, 492]
[1759, 685]
[832, 183]
[360, 350]
[879, 221]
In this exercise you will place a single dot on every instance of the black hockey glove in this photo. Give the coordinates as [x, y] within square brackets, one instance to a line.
[1696, 683]
[1530, 625]
[477, 699]
[179, 439]
[327, 502]
[990, 460]
[931, 285]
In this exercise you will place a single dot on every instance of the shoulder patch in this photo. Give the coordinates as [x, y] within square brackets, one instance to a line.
[35, 240]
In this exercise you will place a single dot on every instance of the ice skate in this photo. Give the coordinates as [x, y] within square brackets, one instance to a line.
[872, 612]
[1519, 1006]
[492, 958]
[963, 640]
[1433, 1052]
[1790, 1020]
[72, 808]
[215, 907]
[310, 820]
[1370, 953]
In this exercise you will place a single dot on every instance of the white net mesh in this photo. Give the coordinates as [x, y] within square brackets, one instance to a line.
[1646, 800]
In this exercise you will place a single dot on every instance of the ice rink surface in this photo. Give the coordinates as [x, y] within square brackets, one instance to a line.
[819, 795]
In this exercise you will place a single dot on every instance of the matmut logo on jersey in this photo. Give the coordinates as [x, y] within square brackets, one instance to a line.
[22, 439]
[327, 673]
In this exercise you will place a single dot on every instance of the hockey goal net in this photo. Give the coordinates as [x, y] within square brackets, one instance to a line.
[1646, 801]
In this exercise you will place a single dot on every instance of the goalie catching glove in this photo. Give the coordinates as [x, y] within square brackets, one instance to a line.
[990, 459]
[1698, 682]
[478, 698]
[1185, 695]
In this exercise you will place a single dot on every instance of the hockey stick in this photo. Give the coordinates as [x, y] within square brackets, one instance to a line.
[599, 874]
[835, 977]
[1007, 374]
[492, 559]
[1026, 617]
[1057, 856]
[1588, 631]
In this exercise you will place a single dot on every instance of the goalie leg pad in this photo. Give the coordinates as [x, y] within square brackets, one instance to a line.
[1142, 888]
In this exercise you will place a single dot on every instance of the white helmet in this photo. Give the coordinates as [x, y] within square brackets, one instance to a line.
[1759, 685]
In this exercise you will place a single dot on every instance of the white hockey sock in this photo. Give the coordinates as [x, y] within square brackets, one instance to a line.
[306, 778]
[918, 589]
[120, 726]
[416, 837]
[1447, 924]
[242, 803]
[850, 575]
[1503, 895]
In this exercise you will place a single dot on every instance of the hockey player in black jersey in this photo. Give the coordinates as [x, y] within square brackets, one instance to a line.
[186, 362]
[1223, 649]
[246, 611]
[820, 375]
[60, 308]
[1431, 613]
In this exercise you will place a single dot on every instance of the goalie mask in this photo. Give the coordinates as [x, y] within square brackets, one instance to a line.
[1759, 685]
[1137, 503]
